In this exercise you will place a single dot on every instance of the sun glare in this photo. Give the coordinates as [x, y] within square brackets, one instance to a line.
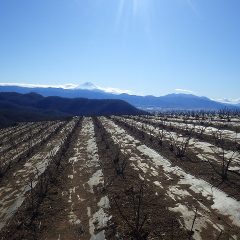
[135, 6]
[132, 11]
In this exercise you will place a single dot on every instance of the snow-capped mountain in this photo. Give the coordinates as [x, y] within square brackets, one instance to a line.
[93, 87]
[84, 86]
[87, 85]
[89, 90]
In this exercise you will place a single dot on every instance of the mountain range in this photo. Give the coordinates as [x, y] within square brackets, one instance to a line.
[17, 107]
[90, 91]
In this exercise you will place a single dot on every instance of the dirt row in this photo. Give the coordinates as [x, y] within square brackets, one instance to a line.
[16, 188]
[204, 150]
[190, 162]
[229, 138]
[13, 141]
[75, 205]
[14, 131]
[91, 198]
[80, 200]
[28, 148]
[215, 217]
[137, 208]
[98, 180]
[232, 125]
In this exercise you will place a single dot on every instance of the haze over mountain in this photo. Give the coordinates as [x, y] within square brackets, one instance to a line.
[91, 91]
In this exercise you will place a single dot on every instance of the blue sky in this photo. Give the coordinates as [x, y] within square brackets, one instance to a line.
[146, 46]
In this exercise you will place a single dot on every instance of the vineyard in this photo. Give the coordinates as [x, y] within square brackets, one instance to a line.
[167, 177]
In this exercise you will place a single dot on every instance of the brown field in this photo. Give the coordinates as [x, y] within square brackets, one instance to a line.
[130, 177]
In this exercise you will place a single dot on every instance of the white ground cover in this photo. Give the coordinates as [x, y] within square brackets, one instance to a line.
[23, 147]
[215, 122]
[13, 193]
[82, 195]
[204, 150]
[11, 132]
[26, 134]
[228, 134]
[212, 203]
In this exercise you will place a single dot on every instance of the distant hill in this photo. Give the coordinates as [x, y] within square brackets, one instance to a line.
[16, 107]
[171, 101]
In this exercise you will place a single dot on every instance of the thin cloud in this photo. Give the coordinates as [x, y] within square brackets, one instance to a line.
[229, 101]
[27, 85]
[183, 90]
[115, 90]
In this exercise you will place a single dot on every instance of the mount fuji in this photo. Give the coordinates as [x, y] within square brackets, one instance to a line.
[88, 90]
